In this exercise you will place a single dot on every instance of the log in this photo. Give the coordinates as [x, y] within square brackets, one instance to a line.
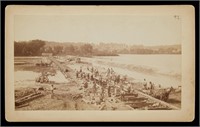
[158, 108]
[134, 98]
[27, 98]
[157, 100]
[130, 94]
[23, 105]
[139, 104]
[102, 106]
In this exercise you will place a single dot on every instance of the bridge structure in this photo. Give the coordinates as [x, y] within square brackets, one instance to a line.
[62, 68]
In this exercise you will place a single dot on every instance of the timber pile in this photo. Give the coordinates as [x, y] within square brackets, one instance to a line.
[24, 92]
[139, 100]
[160, 102]
[28, 98]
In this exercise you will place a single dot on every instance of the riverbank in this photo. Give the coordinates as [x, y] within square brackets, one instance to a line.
[63, 89]
[64, 93]
[174, 97]
[160, 69]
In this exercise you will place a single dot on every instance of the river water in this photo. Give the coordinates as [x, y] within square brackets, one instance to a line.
[21, 76]
[160, 69]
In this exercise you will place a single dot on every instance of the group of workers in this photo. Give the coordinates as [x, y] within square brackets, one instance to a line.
[107, 82]
[150, 85]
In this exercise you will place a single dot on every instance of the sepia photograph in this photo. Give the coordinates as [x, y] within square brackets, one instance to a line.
[123, 61]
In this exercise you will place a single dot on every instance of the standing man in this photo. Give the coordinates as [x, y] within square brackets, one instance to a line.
[77, 74]
[94, 88]
[52, 91]
[109, 91]
[102, 94]
[145, 84]
[81, 69]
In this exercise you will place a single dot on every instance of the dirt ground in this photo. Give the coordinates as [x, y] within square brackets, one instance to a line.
[63, 97]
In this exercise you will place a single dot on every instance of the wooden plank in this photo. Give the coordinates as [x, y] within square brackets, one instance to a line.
[157, 100]
[158, 108]
[102, 106]
[134, 99]
[27, 99]
[131, 94]
[139, 105]
[23, 105]
[139, 102]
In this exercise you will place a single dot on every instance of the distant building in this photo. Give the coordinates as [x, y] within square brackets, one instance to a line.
[47, 54]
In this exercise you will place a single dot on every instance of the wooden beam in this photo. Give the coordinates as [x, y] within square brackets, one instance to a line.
[130, 94]
[158, 108]
[23, 105]
[135, 98]
[157, 100]
[139, 103]
[27, 98]
[102, 106]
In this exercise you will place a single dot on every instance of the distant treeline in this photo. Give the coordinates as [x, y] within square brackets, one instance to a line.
[31, 48]
[37, 47]
[139, 49]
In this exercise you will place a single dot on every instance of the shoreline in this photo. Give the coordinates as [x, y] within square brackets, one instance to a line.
[164, 80]
[139, 73]
[74, 66]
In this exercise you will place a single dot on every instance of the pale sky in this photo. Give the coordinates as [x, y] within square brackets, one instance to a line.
[130, 29]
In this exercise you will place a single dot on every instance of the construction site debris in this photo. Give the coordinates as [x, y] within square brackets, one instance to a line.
[103, 88]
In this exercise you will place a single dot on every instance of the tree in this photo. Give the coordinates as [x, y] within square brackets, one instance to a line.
[31, 48]
[87, 49]
[18, 48]
[48, 49]
[58, 50]
[69, 49]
